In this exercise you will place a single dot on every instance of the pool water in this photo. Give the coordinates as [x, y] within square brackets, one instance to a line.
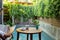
[24, 36]
[44, 36]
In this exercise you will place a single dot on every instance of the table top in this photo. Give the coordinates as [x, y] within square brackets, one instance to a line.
[29, 31]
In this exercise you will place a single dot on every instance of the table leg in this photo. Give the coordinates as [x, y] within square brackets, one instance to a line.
[39, 36]
[27, 36]
[17, 35]
[31, 35]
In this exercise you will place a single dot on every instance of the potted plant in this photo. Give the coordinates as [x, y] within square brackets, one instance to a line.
[36, 22]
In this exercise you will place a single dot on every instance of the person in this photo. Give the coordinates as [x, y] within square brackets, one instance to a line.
[4, 35]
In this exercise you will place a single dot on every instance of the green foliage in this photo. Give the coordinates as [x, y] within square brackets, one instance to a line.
[47, 8]
[6, 14]
[36, 22]
[18, 11]
[9, 22]
[43, 8]
[55, 8]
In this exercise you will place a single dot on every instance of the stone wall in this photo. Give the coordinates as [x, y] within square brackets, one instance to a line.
[52, 21]
[51, 30]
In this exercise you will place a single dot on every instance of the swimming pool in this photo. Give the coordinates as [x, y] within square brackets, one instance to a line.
[44, 36]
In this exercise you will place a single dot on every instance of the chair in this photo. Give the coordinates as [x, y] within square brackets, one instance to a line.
[8, 31]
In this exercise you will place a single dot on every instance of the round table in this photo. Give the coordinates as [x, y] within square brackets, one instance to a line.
[30, 31]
